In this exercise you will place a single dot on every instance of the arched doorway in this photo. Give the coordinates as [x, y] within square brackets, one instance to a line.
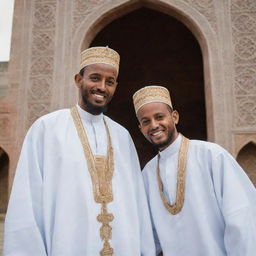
[4, 166]
[247, 159]
[156, 48]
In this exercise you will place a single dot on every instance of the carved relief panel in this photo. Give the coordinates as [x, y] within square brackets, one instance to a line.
[42, 59]
[243, 15]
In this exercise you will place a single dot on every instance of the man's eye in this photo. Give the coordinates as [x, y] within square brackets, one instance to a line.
[160, 117]
[110, 82]
[94, 78]
[145, 122]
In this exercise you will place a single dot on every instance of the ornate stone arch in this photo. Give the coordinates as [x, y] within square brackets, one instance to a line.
[203, 30]
[246, 157]
[246, 140]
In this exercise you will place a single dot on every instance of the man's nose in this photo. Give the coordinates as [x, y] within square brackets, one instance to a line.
[102, 85]
[154, 124]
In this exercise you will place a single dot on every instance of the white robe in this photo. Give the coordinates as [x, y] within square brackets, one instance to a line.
[219, 213]
[52, 209]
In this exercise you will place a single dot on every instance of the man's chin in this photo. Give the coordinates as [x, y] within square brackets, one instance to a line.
[96, 109]
[161, 145]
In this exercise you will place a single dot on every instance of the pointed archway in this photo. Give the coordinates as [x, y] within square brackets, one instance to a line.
[247, 159]
[4, 167]
[162, 52]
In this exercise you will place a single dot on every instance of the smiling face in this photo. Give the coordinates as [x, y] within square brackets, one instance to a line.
[96, 87]
[158, 124]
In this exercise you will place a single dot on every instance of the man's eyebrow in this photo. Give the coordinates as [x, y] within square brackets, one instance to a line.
[94, 74]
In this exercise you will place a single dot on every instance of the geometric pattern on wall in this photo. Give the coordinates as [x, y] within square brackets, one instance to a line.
[243, 17]
[206, 8]
[42, 59]
[82, 8]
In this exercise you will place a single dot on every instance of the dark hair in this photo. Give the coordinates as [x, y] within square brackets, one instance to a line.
[170, 109]
[81, 72]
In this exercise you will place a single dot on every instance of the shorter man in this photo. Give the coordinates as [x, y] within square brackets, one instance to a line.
[202, 203]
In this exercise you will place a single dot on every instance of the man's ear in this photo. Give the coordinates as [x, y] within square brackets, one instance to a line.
[78, 79]
[139, 127]
[175, 116]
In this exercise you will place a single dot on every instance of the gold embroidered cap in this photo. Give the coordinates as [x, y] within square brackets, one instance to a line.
[149, 94]
[100, 54]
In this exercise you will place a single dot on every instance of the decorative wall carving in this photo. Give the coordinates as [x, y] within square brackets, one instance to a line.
[243, 17]
[245, 80]
[43, 43]
[207, 9]
[40, 89]
[44, 15]
[82, 8]
[42, 59]
[246, 107]
[243, 5]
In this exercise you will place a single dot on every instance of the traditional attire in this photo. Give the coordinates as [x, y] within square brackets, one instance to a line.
[218, 217]
[52, 210]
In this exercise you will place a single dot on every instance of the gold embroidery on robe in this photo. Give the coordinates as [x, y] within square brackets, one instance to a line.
[101, 169]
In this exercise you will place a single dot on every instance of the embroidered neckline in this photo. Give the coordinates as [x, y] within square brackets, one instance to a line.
[101, 169]
[181, 173]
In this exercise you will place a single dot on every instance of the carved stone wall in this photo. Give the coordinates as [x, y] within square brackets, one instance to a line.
[243, 15]
[207, 9]
[42, 59]
[81, 9]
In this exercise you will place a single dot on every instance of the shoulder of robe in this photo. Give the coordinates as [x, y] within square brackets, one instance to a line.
[116, 126]
[51, 118]
[207, 146]
[150, 166]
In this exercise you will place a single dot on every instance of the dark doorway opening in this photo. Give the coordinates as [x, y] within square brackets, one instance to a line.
[4, 166]
[156, 49]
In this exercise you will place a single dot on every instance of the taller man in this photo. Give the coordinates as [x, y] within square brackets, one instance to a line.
[78, 189]
[201, 201]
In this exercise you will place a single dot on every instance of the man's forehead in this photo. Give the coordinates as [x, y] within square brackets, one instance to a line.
[101, 68]
[152, 108]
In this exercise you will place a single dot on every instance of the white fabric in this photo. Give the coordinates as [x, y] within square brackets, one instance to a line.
[52, 210]
[219, 213]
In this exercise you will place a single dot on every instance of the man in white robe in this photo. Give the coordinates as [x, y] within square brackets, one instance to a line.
[201, 202]
[52, 209]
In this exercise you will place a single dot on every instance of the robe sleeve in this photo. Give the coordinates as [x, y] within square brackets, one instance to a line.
[236, 197]
[146, 233]
[23, 233]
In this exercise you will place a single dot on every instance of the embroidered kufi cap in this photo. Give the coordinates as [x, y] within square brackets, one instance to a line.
[151, 94]
[103, 55]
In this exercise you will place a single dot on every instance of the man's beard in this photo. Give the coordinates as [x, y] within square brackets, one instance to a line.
[95, 110]
[167, 142]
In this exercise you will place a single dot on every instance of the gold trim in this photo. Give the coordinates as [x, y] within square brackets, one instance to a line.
[101, 169]
[180, 187]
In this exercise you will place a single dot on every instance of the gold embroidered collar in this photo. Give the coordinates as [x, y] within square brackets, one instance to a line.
[180, 187]
[101, 169]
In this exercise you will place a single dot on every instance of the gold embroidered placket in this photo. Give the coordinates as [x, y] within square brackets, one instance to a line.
[101, 169]
[180, 187]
